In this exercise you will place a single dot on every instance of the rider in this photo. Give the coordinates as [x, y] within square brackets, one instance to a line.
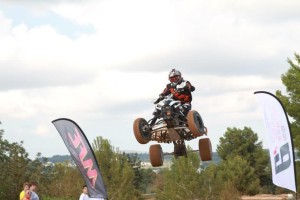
[180, 90]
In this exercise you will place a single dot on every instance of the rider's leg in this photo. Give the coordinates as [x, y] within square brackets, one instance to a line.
[155, 117]
[186, 108]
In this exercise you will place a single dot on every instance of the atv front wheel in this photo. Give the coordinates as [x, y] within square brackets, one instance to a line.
[205, 149]
[156, 155]
[195, 123]
[141, 131]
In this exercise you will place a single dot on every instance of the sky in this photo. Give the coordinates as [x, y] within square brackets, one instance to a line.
[102, 63]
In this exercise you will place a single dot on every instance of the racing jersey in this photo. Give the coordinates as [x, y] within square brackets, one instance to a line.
[181, 91]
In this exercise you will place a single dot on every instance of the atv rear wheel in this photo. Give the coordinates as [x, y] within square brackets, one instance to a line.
[156, 155]
[205, 149]
[195, 123]
[141, 131]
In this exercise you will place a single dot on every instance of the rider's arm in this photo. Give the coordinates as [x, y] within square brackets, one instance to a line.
[166, 91]
[163, 94]
[190, 87]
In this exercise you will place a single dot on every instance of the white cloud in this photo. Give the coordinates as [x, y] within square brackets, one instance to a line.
[5, 25]
[42, 130]
[106, 79]
[130, 29]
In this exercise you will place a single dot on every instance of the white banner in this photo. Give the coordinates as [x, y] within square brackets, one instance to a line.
[279, 139]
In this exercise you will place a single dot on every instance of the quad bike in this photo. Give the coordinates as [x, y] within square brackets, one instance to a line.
[171, 125]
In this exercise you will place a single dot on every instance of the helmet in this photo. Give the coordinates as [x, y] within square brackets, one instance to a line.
[174, 76]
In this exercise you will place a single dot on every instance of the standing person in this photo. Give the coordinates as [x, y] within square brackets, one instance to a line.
[33, 188]
[26, 187]
[27, 195]
[84, 194]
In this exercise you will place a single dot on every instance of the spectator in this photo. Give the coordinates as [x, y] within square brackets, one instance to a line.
[33, 188]
[27, 195]
[84, 194]
[26, 187]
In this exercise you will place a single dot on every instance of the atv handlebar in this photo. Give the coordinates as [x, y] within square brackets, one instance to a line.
[161, 97]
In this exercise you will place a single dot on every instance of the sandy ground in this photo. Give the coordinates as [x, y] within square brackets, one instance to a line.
[256, 197]
[269, 197]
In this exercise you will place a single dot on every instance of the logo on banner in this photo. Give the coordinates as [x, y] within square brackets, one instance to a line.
[86, 162]
[282, 159]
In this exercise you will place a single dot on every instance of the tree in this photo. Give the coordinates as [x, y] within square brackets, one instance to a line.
[14, 163]
[244, 143]
[17, 168]
[240, 174]
[143, 178]
[291, 101]
[183, 180]
[66, 182]
[213, 184]
[118, 174]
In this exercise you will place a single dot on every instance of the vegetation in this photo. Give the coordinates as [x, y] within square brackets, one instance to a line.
[116, 171]
[291, 101]
[243, 167]
[184, 177]
[244, 144]
[242, 157]
[122, 174]
[15, 168]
